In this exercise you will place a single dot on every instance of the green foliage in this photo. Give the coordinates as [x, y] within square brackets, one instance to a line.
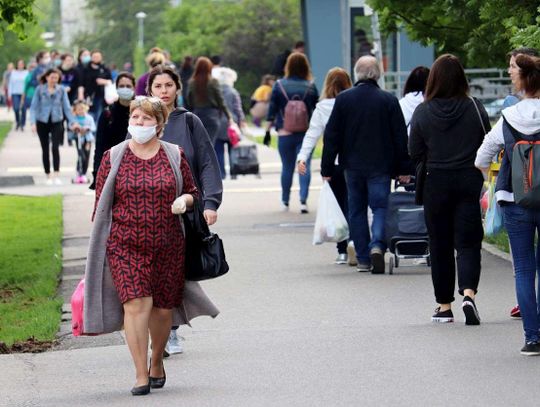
[5, 128]
[527, 36]
[30, 261]
[249, 34]
[14, 15]
[14, 48]
[480, 32]
[139, 66]
[116, 33]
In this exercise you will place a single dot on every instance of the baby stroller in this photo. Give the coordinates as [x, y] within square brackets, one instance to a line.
[406, 232]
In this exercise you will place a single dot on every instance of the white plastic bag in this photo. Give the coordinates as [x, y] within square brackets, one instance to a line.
[330, 224]
[111, 95]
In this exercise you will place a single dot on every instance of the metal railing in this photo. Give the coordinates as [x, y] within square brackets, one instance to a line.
[485, 84]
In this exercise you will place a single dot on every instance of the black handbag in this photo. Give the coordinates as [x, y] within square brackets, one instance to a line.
[205, 255]
[420, 179]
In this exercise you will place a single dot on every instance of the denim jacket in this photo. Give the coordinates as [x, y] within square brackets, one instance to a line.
[46, 106]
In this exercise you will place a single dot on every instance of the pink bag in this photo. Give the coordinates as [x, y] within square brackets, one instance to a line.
[77, 303]
[233, 131]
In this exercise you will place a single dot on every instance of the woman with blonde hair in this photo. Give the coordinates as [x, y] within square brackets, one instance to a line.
[155, 57]
[135, 269]
[337, 80]
[296, 86]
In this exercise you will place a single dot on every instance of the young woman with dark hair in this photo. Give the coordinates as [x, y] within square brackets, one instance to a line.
[521, 120]
[296, 84]
[113, 122]
[50, 105]
[413, 93]
[204, 98]
[186, 130]
[446, 131]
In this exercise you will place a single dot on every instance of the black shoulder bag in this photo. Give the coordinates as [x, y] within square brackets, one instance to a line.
[205, 255]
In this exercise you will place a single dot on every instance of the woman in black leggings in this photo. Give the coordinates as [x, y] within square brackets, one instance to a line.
[49, 107]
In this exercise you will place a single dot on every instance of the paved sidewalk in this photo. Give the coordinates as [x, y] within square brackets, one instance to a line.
[294, 329]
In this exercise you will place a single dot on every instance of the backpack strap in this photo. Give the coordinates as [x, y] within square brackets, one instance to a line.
[283, 90]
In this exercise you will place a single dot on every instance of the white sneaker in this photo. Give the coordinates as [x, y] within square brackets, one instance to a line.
[351, 254]
[174, 344]
[49, 181]
[341, 259]
[303, 208]
[57, 181]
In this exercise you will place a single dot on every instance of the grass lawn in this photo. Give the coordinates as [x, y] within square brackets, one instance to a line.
[30, 263]
[500, 241]
[5, 127]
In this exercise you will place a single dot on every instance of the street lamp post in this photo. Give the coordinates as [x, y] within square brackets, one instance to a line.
[141, 15]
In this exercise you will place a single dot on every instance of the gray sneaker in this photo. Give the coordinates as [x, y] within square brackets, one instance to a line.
[174, 344]
[363, 268]
[341, 259]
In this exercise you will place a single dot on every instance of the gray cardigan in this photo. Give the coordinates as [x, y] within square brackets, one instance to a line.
[103, 312]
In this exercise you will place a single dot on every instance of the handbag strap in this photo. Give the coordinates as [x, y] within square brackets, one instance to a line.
[479, 115]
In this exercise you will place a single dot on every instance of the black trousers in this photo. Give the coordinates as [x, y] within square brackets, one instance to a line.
[50, 134]
[339, 188]
[83, 155]
[454, 222]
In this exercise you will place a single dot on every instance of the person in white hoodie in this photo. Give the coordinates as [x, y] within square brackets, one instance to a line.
[336, 81]
[413, 93]
[522, 121]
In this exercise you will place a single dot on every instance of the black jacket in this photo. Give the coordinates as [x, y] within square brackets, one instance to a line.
[447, 132]
[111, 130]
[367, 130]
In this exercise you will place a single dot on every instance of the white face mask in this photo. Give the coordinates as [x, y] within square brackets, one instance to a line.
[142, 134]
[125, 93]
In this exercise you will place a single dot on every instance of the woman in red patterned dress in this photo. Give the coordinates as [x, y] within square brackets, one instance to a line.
[146, 248]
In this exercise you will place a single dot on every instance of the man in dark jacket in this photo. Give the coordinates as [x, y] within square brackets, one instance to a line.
[367, 130]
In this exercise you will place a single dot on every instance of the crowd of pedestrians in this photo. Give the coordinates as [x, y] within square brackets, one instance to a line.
[370, 139]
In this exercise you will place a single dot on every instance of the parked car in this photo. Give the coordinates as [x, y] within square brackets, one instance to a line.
[494, 108]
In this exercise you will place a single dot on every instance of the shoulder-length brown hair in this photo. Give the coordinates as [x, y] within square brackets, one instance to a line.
[529, 74]
[337, 80]
[298, 65]
[201, 77]
[446, 79]
[163, 70]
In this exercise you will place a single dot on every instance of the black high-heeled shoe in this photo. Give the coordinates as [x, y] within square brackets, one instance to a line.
[141, 390]
[157, 382]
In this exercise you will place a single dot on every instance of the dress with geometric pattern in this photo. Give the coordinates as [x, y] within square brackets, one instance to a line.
[146, 247]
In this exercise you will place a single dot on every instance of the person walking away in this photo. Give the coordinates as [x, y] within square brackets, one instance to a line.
[226, 78]
[278, 69]
[96, 77]
[5, 83]
[446, 131]
[83, 137]
[367, 130]
[154, 58]
[147, 270]
[260, 100]
[413, 93]
[186, 71]
[337, 80]
[49, 106]
[512, 99]
[186, 130]
[113, 122]
[292, 103]
[16, 83]
[204, 98]
[519, 122]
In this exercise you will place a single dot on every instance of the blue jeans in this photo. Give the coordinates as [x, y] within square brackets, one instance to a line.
[19, 109]
[522, 224]
[364, 191]
[289, 147]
